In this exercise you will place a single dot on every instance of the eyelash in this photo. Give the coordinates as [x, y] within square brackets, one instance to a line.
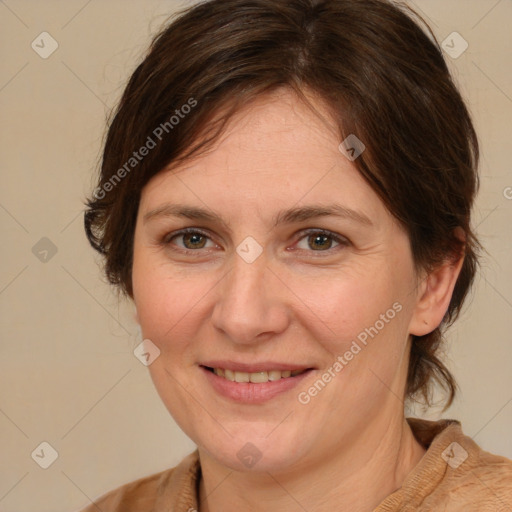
[342, 241]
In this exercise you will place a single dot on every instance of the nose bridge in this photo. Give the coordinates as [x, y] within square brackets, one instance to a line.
[247, 303]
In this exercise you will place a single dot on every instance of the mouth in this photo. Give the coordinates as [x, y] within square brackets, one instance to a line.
[255, 377]
[253, 384]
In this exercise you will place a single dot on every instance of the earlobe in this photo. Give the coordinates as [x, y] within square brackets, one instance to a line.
[434, 297]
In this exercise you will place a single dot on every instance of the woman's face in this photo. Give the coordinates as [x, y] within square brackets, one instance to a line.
[263, 285]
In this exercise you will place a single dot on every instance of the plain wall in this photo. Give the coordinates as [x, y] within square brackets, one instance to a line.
[67, 369]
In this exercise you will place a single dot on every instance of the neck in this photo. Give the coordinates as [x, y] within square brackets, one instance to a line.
[356, 478]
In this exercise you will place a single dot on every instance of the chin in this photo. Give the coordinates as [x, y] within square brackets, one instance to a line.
[256, 453]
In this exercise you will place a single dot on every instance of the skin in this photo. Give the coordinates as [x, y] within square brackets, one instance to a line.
[350, 446]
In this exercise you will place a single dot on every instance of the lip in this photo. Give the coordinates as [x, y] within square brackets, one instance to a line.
[249, 392]
[263, 366]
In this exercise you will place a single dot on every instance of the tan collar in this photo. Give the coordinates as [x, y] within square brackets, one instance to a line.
[436, 437]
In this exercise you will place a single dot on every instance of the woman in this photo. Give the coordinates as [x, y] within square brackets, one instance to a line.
[285, 195]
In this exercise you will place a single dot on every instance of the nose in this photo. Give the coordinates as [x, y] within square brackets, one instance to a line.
[250, 307]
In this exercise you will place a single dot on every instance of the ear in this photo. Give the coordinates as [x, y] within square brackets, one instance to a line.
[434, 296]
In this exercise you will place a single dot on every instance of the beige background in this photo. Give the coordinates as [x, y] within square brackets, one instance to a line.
[68, 373]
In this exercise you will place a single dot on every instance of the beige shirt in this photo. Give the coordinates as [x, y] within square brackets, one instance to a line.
[454, 475]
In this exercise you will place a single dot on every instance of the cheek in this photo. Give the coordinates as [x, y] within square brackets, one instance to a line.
[164, 302]
[367, 314]
[346, 305]
[163, 310]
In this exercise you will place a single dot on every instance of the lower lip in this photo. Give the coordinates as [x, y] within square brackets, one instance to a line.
[249, 392]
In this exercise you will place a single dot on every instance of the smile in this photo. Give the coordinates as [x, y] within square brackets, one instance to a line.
[255, 377]
[256, 386]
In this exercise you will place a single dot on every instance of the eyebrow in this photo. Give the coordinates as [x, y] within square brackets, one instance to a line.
[298, 214]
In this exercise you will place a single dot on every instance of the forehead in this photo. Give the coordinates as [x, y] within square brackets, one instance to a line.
[275, 153]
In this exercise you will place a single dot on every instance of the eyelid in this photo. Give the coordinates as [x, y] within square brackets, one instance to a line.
[169, 236]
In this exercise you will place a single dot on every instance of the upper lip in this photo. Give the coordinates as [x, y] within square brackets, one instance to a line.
[263, 366]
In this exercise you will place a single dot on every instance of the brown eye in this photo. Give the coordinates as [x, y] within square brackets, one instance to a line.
[187, 240]
[320, 241]
[193, 240]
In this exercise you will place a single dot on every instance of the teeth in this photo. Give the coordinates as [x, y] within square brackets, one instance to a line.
[228, 374]
[274, 375]
[256, 377]
[241, 377]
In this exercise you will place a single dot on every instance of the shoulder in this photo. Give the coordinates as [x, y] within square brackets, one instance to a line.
[464, 476]
[482, 482]
[152, 492]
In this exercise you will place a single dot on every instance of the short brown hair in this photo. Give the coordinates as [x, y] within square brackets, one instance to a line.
[383, 78]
